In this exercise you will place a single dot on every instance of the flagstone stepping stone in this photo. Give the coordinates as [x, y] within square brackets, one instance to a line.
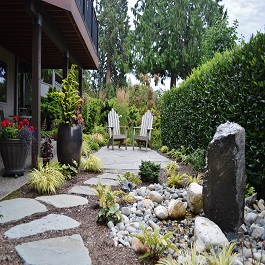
[67, 250]
[48, 223]
[84, 190]
[63, 200]
[105, 179]
[16, 209]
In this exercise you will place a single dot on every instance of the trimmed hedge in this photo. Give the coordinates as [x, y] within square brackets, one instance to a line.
[230, 87]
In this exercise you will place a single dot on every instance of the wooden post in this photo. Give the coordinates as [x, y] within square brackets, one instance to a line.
[66, 65]
[36, 88]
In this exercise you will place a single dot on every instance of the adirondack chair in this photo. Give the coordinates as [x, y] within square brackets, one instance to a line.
[114, 130]
[145, 131]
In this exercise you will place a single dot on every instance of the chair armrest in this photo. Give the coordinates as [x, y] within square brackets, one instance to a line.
[137, 127]
[110, 126]
[149, 129]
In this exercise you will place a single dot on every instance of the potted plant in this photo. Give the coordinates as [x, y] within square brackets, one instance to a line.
[46, 150]
[69, 137]
[15, 140]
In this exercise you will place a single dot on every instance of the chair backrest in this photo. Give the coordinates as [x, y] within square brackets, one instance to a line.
[113, 121]
[22, 111]
[147, 123]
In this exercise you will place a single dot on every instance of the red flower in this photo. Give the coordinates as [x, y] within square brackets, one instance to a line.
[21, 123]
[26, 122]
[31, 128]
[19, 127]
[15, 118]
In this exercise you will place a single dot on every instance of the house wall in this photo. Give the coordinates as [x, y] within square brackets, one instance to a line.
[9, 59]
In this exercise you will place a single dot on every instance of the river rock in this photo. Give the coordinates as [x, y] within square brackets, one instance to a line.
[155, 197]
[194, 197]
[161, 212]
[176, 209]
[207, 234]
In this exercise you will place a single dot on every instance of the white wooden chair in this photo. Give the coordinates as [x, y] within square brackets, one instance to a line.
[114, 130]
[145, 131]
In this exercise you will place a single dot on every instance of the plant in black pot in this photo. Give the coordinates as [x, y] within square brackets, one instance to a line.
[46, 150]
[69, 137]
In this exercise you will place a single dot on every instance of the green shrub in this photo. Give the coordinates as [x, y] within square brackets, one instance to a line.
[92, 164]
[128, 176]
[94, 146]
[149, 171]
[109, 208]
[98, 138]
[176, 180]
[230, 87]
[156, 244]
[197, 159]
[164, 149]
[46, 179]
[171, 167]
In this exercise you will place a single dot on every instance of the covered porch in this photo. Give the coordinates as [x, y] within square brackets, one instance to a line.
[43, 34]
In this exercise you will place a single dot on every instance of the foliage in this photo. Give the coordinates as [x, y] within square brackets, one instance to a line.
[50, 109]
[108, 203]
[98, 138]
[86, 149]
[180, 154]
[249, 190]
[171, 45]
[128, 176]
[164, 149]
[171, 167]
[222, 256]
[91, 113]
[16, 129]
[149, 171]
[128, 198]
[219, 38]
[66, 170]
[176, 180]
[193, 178]
[70, 100]
[94, 146]
[46, 148]
[197, 159]
[156, 243]
[114, 43]
[230, 87]
[46, 179]
[92, 163]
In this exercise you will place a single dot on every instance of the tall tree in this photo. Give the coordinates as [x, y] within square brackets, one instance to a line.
[168, 35]
[114, 49]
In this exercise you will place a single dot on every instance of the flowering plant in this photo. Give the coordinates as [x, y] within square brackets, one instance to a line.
[16, 129]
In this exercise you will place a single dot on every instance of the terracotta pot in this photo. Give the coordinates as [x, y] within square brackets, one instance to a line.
[14, 153]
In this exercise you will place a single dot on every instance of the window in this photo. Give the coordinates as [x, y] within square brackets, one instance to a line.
[3, 81]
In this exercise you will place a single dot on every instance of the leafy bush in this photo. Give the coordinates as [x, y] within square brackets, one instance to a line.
[156, 244]
[171, 167]
[176, 180]
[92, 163]
[128, 176]
[110, 209]
[46, 179]
[197, 159]
[193, 178]
[230, 87]
[94, 146]
[164, 149]
[180, 154]
[149, 171]
[98, 138]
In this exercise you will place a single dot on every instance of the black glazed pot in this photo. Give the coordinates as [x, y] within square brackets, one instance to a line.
[69, 144]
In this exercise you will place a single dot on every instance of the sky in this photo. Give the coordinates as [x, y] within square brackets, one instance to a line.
[249, 14]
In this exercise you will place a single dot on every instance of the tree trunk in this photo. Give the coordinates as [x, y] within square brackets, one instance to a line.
[173, 80]
[108, 72]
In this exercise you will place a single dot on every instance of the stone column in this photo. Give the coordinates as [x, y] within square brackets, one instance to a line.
[224, 183]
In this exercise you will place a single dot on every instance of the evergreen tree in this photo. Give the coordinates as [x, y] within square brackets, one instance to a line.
[114, 44]
[168, 35]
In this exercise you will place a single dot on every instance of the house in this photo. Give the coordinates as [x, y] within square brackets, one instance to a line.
[42, 34]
